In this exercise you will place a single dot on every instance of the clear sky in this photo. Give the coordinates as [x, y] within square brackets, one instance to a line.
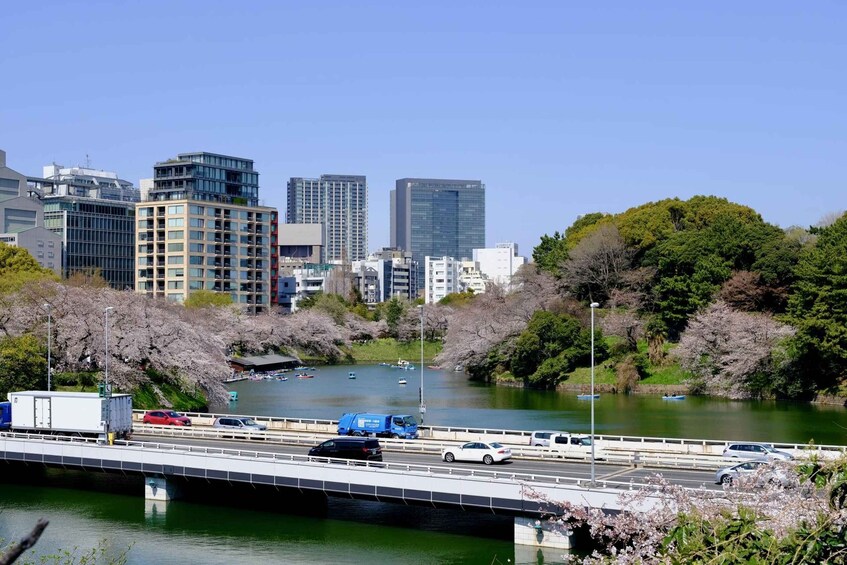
[560, 108]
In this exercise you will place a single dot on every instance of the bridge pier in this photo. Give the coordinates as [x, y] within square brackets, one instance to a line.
[534, 533]
[160, 489]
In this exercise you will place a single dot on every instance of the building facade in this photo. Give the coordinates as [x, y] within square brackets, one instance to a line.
[201, 228]
[22, 219]
[93, 212]
[437, 217]
[386, 274]
[442, 278]
[499, 263]
[339, 203]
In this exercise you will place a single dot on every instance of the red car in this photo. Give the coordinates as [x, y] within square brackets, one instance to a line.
[165, 418]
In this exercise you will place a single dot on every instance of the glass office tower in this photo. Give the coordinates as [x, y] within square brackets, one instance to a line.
[437, 217]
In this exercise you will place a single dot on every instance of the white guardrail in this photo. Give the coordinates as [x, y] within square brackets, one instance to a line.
[621, 450]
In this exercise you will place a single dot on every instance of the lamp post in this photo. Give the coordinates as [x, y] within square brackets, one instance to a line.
[106, 325]
[593, 305]
[48, 307]
[423, 404]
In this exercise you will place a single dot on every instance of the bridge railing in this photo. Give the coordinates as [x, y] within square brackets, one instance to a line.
[516, 438]
[435, 447]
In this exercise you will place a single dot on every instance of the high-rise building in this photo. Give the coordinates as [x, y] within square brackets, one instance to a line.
[339, 203]
[93, 212]
[200, 227]
[437, 217]
[22, 219]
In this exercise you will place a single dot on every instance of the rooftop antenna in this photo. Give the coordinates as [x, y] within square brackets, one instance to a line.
[87, 161]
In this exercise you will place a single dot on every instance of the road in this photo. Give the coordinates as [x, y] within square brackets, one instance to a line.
[559, 468]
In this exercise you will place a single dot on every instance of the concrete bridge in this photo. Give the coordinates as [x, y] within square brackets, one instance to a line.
[167, 468]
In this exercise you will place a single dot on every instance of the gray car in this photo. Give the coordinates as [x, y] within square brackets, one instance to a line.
[761, 472]
[238, 423]
[755, 451]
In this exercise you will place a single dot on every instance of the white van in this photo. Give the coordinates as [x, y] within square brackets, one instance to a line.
[541, 438]
[574, 444]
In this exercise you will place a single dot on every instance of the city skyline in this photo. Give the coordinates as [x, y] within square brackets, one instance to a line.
[561, 109]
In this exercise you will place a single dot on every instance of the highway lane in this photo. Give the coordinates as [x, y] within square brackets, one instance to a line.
[523, 466]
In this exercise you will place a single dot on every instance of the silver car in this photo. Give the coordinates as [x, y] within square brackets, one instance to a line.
[755, 451]
[238, 423]
[761, 472]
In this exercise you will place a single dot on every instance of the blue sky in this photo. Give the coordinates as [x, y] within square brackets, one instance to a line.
[561, 108]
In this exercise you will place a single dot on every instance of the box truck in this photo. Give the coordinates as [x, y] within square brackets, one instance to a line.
[384, 425]
[73, 413]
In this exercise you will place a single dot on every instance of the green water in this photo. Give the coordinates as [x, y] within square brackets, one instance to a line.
[452, 400]
[185, 532]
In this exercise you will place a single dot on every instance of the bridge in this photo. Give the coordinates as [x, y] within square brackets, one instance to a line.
[167, 468]
[168, 465]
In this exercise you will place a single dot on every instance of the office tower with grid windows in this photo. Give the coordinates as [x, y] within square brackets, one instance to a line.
[437, 218]
[339, 203]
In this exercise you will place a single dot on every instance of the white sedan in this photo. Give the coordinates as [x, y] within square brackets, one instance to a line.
[487, 452]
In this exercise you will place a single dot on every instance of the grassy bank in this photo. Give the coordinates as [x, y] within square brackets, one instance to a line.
[390, 350]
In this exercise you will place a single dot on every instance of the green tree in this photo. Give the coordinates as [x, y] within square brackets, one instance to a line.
[817, 307]
[206, 298]
[17, 267]
[23, 364]
[550, 252]
[394, 310]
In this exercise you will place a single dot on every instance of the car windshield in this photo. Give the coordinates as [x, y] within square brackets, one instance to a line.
[409, 421]
[496, 445]
[585, 441]
[173, 414]
[249, 421]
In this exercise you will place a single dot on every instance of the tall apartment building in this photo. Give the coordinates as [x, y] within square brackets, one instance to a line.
[93, 212]
[441, 278]
[22, 219]
[437, 217]
[339, 203]
[201, 228]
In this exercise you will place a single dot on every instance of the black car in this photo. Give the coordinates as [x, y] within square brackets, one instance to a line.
[362, 448]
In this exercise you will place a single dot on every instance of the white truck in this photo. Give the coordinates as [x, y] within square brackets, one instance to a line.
[80, 413]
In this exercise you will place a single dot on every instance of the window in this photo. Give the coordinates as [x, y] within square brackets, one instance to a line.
[179, 209]
[176, 222]
[175, 260]
[175, 234]
[176, 272]
[9, 187]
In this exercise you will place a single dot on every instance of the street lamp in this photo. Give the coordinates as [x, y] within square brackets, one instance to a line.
[423, 404]
[106, 324]
[593, 305]
[48, 307]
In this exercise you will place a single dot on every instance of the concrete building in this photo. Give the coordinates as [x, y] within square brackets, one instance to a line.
[437, 217]
[300, 244]
[93, 212]
[201, 228]
[22, 219]
[297, 283]
[441, 278]
[385, 274]
[500, 263]
[339, 203]
[471, 278]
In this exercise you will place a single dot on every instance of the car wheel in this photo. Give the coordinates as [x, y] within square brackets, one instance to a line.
[449, 457]
[488, 460]
[357, 434]
[726, 479]
[395, 436]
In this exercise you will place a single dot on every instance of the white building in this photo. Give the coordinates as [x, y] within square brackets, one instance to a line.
[471, 278]
[500, 263]
[441, 276]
